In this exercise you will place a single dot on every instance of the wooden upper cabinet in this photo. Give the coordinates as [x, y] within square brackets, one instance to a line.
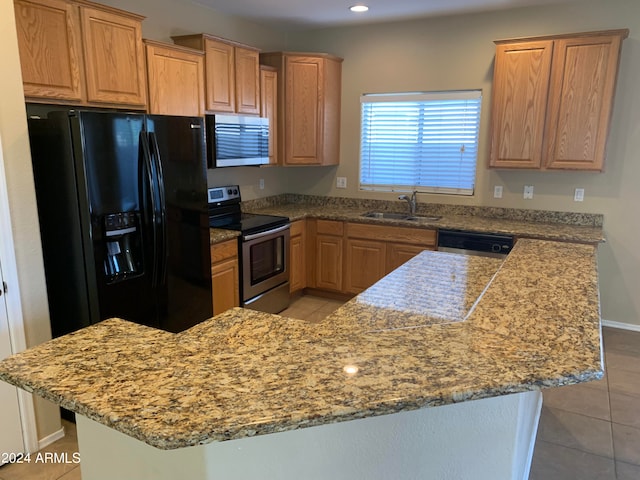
[552, 100]
[114, 57]
[220, 61]
[79, 52]
[584, 76]
[247, 63]
[269, 107]
[50, 51]
[176, 79]
[520, 91]
[232, 73]
[309, 95]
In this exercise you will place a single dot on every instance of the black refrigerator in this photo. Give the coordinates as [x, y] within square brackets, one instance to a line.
[122, 205]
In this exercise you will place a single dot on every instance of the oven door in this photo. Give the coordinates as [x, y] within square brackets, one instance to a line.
[264, 261]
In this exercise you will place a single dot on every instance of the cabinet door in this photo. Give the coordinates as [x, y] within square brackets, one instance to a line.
[583, 80]
[50, 51]
[225, 278]
[247, 65]
[520, 91]
[220, 67]
[397, 254]
[303, 107]
[297, 278]
[329, 262]
[269, 108]
[176, 81]
[364, 264]
[114, 58]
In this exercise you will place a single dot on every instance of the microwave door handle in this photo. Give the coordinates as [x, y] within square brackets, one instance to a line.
[254, 236]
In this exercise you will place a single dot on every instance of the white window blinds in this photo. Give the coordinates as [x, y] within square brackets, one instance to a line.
[420, 141]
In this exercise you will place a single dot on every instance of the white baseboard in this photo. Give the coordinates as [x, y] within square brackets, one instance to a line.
[623, 326]
[49, 439]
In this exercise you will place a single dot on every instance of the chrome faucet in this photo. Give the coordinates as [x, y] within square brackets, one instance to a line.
[411, 201]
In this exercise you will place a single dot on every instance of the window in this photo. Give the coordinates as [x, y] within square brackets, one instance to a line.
[420, 141]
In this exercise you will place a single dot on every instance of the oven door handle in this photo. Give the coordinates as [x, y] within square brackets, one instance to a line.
[248, 238]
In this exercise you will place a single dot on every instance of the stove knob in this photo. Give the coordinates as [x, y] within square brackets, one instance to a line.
[229, 191]
[235, 191]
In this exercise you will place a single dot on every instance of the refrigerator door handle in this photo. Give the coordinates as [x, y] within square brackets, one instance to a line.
[148, 176]
[163, 256]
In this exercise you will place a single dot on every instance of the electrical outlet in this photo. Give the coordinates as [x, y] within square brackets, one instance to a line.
[578, 196]
[261, 184]
[528, 192]
[497, 191]
[341, 182]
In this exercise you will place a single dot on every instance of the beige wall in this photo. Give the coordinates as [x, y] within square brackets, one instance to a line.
[457, 53]
[165, 18]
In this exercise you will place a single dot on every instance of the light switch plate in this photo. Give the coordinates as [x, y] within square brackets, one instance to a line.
[341, 182]
[578, 196]
[497, 191]
[261, 184]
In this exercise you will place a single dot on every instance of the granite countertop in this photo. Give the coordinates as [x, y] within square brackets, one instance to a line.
[544, 225]
[544, 230]
[529, 322]
[217, 235]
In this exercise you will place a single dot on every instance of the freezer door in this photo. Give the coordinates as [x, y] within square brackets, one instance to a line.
[108, 157]
[178, 150]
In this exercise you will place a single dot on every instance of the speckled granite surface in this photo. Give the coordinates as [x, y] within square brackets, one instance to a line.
[217, 235]
[545, 225]
[427, 208]
[524, 227]
[245, 373]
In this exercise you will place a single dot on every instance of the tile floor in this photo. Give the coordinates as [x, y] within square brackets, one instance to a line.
[587, 432]
[591, 431]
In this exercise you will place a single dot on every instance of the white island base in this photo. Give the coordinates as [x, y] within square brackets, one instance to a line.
[488, 439]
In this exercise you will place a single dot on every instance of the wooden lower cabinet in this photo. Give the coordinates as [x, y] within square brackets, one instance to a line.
[329, 262]
[373, 251]
[297, 256]
[349, 257]
[329, 245]
[225, 276]
[365, 264]
[397, 254]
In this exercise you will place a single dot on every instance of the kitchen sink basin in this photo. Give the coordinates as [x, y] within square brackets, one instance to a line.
[388, 215]
[401, 216]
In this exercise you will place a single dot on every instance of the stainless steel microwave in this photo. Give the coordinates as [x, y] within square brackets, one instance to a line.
[236, 140]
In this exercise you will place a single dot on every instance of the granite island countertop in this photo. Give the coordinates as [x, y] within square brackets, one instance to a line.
[527, 323]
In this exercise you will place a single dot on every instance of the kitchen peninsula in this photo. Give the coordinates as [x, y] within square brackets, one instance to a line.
[236, 394]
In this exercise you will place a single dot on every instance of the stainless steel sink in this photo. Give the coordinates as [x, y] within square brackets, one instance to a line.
[425, 218]
[401, 216]
[388, 215]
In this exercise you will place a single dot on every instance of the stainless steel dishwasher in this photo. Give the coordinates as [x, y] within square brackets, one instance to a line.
[475, 243]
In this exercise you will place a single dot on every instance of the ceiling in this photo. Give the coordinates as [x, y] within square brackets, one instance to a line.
[300, 14]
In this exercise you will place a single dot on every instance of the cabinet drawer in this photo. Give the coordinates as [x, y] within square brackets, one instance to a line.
[422, 236]
[224, 250]
[297, 228]
[329, 227]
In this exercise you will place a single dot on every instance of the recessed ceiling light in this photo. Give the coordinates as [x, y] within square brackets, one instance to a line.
[359, 8]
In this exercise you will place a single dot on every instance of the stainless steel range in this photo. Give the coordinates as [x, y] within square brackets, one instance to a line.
[263, 246]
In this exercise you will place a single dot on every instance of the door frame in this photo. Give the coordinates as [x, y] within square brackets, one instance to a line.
[14, 309]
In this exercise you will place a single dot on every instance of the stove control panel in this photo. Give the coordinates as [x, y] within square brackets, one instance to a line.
[230, 193]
